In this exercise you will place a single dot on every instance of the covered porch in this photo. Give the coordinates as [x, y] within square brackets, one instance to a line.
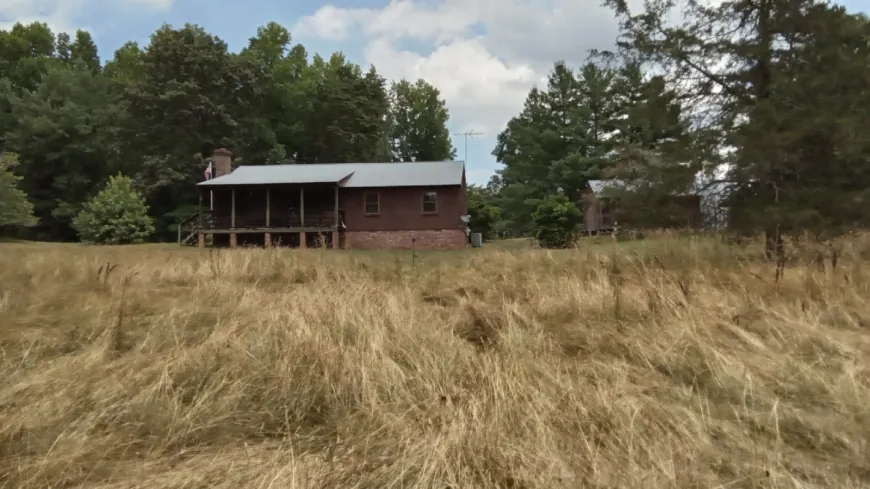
[270, 215]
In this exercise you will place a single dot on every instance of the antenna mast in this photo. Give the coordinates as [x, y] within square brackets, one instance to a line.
[466, 135]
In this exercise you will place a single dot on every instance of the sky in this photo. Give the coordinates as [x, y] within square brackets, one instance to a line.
[483, 55]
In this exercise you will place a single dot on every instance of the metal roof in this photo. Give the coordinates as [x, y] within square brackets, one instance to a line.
[404, 174]
[598, 185]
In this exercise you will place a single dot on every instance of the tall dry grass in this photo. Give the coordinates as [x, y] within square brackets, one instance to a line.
[681, 366]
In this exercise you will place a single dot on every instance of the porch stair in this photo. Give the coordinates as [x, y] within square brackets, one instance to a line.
[188, 230]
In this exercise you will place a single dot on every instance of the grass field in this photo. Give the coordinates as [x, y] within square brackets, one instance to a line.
[672, 364]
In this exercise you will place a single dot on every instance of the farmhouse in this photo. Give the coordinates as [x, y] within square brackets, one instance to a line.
[337, 205]
[602, 212]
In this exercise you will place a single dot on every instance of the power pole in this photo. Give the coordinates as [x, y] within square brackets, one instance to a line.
[468, 134]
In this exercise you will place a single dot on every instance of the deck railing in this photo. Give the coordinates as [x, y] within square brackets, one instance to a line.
[314, 218]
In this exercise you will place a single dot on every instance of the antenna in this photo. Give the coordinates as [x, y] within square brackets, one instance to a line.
[468, 134]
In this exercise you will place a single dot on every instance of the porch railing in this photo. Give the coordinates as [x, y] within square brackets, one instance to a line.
[314, 218]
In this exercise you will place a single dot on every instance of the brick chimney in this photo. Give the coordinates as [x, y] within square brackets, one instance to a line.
[223, 162]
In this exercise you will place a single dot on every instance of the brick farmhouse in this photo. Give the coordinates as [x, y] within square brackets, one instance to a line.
[339, 205]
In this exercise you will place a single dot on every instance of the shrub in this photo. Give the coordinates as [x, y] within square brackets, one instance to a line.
[484, 214]
[556, 218]
[117, 215]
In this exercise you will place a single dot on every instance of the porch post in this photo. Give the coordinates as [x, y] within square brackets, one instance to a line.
[233, 219]
[302, 207]
[335, 231]
[268, 237]
[303, 241]
[200, 238]
[336, 207]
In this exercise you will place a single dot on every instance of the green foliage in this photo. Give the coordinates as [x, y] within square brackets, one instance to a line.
[785, 114]
[349, 113]
[116, 215]
[483, 210]
[126, 66]
[15, 208]
[25, 54]
[157, 111]
[418, 123]
[577, 129]
[65, 140]
[556, 219]
[26, 51]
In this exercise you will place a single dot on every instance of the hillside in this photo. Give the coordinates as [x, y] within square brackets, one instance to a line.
[676, 366]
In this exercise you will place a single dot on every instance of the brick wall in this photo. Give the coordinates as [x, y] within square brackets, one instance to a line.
[444, 239]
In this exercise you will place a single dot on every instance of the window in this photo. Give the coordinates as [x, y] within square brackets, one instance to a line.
[430, 202]
[372, 203]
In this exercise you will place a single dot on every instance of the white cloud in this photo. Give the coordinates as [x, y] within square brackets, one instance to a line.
[481, 90]
[62, 15]
[486, 54]
[55, 13]
[153, 4]
[328, 22]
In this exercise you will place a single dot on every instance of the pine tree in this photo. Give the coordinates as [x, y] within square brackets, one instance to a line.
[769, 102]
[15, 208]
[558, 142]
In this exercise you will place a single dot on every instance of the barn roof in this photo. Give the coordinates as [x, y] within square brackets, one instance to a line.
[359, 175]
[598, 185]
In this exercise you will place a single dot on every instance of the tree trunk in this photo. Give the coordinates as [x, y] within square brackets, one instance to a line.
[773, 245]
[774, 248]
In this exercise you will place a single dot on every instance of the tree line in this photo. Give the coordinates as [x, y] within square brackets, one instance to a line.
[764, 102]
[155, 113]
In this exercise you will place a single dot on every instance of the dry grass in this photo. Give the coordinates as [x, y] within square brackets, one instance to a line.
[679, 368]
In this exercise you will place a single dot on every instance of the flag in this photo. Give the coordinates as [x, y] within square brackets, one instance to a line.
[208, 171]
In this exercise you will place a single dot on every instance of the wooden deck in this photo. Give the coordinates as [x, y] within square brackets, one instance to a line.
[317, 222]
[268, 230]
[241, 213]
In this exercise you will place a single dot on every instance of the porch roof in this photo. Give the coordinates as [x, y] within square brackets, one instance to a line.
[350, 175]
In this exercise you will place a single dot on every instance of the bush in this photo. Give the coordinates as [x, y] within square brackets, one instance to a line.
[484, 214]
[556, 218]
[117, 215]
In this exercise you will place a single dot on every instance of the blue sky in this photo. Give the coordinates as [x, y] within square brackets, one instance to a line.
[483, 55]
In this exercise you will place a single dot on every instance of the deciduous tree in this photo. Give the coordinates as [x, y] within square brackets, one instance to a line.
[484, 211]
[418, 123]
[65, 139]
